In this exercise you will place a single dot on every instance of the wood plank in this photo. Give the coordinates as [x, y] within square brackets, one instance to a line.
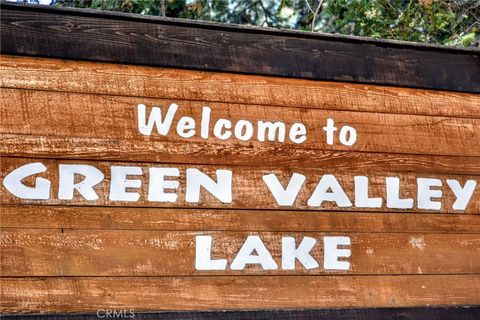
[58, 114]
[246, 181]
[55, 253]
[230, 155]
[417, 313]
[72, 294]
[177, 84]
[120, 38]
[118, 218]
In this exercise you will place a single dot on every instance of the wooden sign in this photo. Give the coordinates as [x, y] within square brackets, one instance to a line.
[144, 188]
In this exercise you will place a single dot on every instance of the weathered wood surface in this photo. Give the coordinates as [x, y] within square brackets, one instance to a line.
[120, 218]
[231, 155]
[253, 292]
[416, 313]
[109, 117]
[79, 255]
[177, 84]
[246, 182]
[120, 38]
[66, 252]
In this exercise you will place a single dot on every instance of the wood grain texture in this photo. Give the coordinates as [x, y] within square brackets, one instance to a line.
[110, 117]
[54, 253]
[177, 84]
[248, 189]
[79, 256]
[425, 313]
[230, 155]
[88, 35]
[83, 294]
[119, 218]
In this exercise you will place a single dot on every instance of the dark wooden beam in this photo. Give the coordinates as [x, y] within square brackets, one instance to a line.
[432, 313]
[43, 31]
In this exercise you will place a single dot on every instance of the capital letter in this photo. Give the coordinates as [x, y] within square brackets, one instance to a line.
[67, 184]
[425, 194]
[284, 197]
[155, 118]
[203, 255]
[222, 189]
[244, 256]
[393, 195]
[157, 184]
[463, 194]
[336, 195]
[332, 253]
[302, 253]
[361, 194]
[119, 183]
[13, 182]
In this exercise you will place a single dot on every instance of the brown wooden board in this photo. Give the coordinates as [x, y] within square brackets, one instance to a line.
[85, 294]
[123, 38]
[20, 72]
[248, 190]
[231, 155]
[109, 117]
[192, 219]
[33, 252]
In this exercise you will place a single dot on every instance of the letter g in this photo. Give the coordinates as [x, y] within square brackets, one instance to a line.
[13, 182]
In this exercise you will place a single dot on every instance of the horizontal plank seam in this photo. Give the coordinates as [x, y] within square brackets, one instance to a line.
[127, 205]
[277, 210]
[246, 275]
[279, 166]
[257, 231]
[14, 155]
[253, 165]
[60, 229]
[26, 278]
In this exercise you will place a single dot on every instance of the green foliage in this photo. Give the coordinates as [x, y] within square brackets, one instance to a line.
[449, 22]
[468, 39]
[433, 22]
